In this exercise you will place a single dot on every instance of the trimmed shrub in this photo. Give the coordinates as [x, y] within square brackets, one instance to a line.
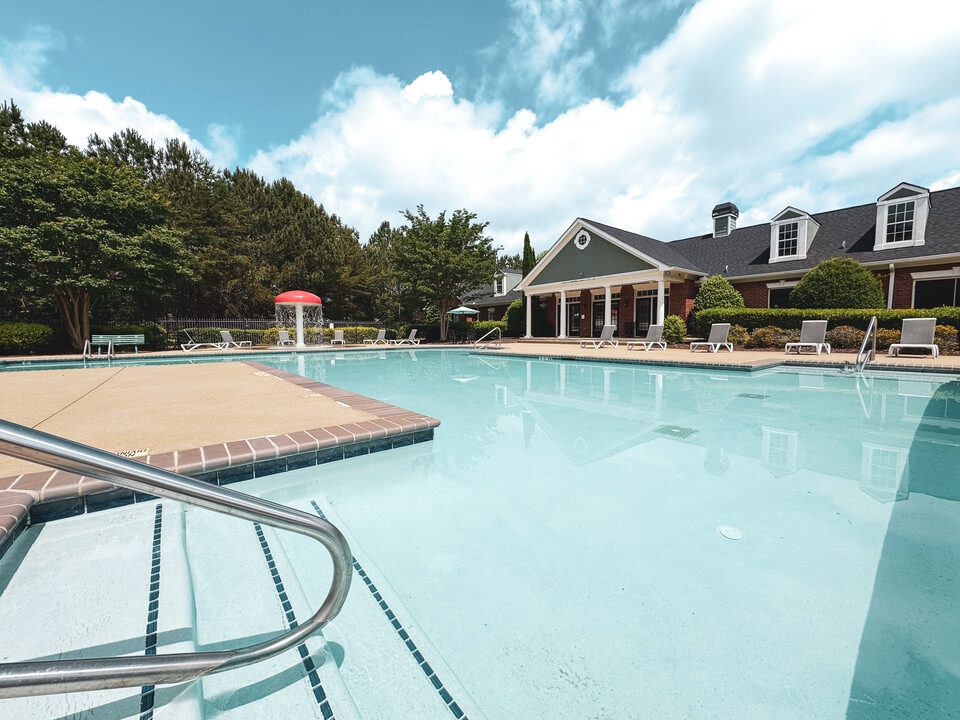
[18, 338]
[514, 319]
[674, 329]
[838, 283]
[716, 292]
[771, 337]
[738, 335]
[845, 337]
[946, 337]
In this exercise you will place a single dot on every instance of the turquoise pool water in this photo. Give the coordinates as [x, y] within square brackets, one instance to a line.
[593, 540]
[603, 540]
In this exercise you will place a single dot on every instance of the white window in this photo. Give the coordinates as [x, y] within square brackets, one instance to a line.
[791, 233]
[498, 285]
[884, 472]
[902, 217]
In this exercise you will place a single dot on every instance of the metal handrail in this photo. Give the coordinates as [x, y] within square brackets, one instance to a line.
[47, 677]
[864, 355]
[496, 330]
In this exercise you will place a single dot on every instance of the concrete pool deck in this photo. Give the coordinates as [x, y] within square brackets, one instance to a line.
[219, 420]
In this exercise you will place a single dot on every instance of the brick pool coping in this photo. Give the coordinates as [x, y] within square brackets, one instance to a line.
[36, 497]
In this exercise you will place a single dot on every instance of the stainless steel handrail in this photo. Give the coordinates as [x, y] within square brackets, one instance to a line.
[496, 330]
[42, 678]
[863, 355]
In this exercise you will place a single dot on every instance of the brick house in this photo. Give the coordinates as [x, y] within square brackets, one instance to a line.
[596, 274]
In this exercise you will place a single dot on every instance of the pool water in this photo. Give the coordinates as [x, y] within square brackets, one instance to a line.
[607, 540]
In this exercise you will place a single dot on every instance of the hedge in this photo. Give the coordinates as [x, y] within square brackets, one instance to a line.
[792, 318]
[20, 338]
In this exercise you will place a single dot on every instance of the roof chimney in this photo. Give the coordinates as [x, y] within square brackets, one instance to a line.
[725, 219]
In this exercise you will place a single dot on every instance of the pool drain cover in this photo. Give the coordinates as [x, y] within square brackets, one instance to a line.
[730, 533]
[677, 432]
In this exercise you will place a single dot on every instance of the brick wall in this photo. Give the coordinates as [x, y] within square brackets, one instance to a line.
[681, 298]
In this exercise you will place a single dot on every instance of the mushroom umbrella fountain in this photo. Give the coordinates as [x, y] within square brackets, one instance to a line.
[299, 299]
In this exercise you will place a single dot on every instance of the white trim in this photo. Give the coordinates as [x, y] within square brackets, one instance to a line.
[953, 272]
[806, 230]
[782, 284]
[920, 198]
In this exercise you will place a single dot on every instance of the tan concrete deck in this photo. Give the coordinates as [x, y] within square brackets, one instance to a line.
[202, 418]
[192, 419]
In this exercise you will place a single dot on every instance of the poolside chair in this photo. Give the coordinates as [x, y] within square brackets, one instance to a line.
[381, 338]
[229, 342]
[284, 338]
[606, 338]
[812, 334]
[654, 338]
[192, 344]
[716, 340]
[338, 338]
[411, 339]
[916, 334]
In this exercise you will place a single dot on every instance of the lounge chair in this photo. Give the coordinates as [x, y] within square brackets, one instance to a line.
[716, 340]
[338, 338]
[917, 334]
[606, 338]
[380, 339]
[812, 334]
[192, 344]
[284, 338]
[411, 339]
[654, 338]
[229, 342]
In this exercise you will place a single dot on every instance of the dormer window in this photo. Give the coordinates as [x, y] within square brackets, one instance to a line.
[791, 233]
[902, 217]
[499, 284]
[787, 239]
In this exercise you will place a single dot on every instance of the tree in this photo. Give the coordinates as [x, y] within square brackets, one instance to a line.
[442, 260]
[78, 227]
[529, 257]
[715, 292]
[838, 283]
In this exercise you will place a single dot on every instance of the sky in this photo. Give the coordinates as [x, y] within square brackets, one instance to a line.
[642, 114]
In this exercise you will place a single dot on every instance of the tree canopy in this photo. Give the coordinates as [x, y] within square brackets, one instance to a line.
[441, 260]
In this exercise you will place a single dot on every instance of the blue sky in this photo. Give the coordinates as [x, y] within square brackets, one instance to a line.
[530, 113]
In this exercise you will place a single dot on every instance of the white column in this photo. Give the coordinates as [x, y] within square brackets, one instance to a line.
[661, 309]
[563, 314]
[889, 289]
[607, 306]
[529, 315]
[300, 342]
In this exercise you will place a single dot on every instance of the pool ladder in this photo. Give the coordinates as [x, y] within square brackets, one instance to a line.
[44, 678]
[484, 343]
[866, 354]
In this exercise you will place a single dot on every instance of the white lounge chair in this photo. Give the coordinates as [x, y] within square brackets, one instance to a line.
[812, 334]
[411, 339]
[338, 338]
[606, 338]
[284, 338]
[716, 340]
[229, 342]
[380, 339]
[916, 334]
[192, 344]
[654, 338]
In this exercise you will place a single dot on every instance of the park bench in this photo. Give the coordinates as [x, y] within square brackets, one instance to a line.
[110, 342]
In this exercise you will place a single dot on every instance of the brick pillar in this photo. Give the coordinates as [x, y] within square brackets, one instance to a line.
[627, 308]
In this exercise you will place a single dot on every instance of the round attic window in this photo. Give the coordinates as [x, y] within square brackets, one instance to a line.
[582, 240]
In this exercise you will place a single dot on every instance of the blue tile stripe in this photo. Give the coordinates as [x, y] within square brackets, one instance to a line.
[153, 612]
[305, 658]
[408, 641]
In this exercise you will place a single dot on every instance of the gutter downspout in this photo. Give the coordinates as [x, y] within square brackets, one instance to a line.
[890, 288]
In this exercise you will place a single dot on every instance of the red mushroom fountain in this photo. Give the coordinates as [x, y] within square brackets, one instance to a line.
[298, 299]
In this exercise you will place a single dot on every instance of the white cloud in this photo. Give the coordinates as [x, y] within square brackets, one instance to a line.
[764, 103]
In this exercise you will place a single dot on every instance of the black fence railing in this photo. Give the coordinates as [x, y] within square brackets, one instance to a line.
[205, 330]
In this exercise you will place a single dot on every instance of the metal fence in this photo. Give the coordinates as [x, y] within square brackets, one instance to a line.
[253, 329]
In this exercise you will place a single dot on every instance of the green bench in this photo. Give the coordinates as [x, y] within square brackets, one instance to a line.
[110, 342]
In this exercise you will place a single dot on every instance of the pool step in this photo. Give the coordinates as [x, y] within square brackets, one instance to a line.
[83, 587]
[244, 596]
[388, 665]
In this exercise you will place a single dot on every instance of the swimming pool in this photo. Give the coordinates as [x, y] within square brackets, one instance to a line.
[604, 540]
[609, 540]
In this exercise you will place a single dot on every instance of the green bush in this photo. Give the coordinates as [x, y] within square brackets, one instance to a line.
[738, 335]
[946, 337]
[838, 283]
[154, 336]
[771, 337]
[19, 338]
[716, 292]
[515, 319]
[792, 318]
[845, 337]
[674, 329]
